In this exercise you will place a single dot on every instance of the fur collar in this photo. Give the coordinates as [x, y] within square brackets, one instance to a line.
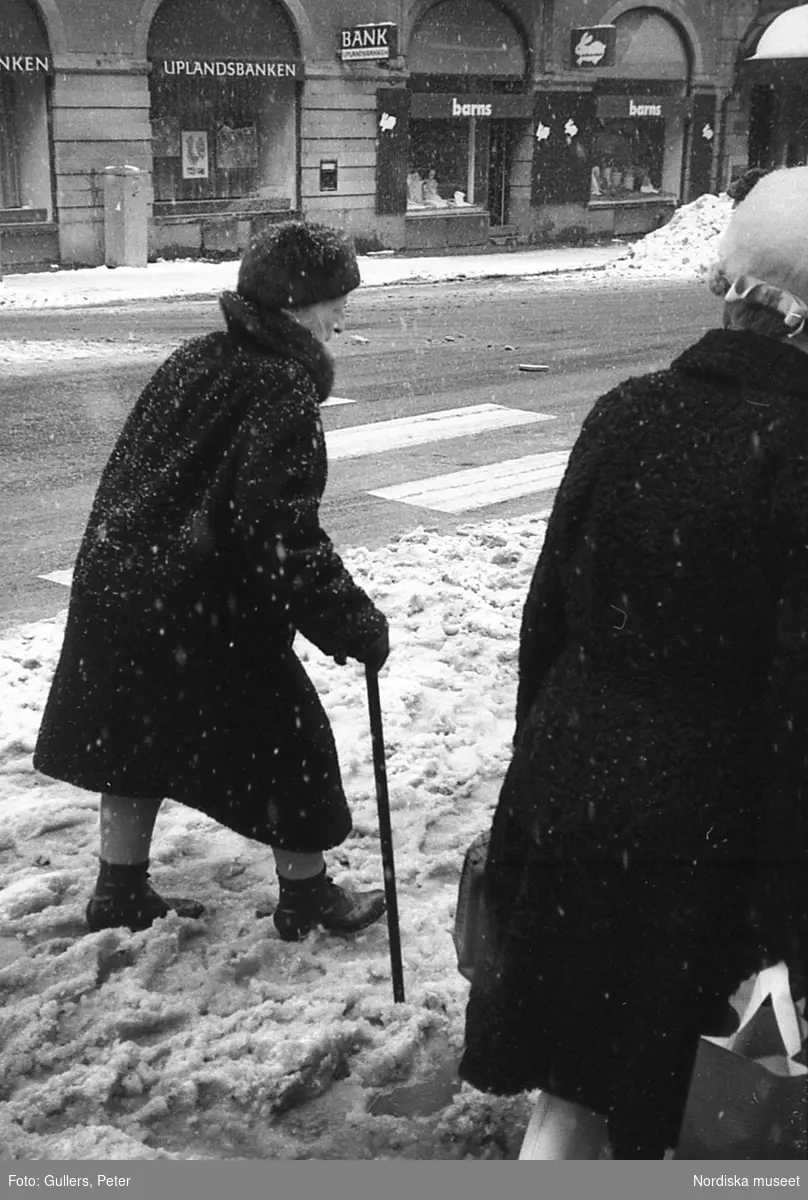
[759, 363]
[272, 332]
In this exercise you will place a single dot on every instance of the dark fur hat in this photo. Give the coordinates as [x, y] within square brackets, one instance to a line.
[297, 263]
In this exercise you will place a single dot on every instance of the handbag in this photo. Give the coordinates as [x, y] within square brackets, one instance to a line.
[471, 922]
[748, 1095]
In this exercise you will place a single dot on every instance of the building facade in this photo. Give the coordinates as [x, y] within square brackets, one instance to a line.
[771, 87]
[419, 124]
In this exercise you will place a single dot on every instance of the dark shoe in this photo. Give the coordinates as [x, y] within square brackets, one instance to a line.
[306, 903]
[124, 896]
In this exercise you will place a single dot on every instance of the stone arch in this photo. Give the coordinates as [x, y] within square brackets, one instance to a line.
[294, 11]
[677, 16]
[47, 12]
[419, 8]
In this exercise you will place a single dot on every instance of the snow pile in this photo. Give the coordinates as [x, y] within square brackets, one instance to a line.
[684, 248]
[212, 1038]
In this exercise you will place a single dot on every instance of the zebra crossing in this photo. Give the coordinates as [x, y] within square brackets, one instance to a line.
[471, 489]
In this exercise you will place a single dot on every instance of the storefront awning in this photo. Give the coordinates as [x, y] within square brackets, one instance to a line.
[786, 37]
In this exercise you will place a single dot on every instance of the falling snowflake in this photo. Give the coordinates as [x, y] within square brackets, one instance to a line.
[570, 128]
[707, 132]
[387, 122]
[542, 132]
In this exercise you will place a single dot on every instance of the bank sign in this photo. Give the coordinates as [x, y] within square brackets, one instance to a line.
[369, 42]
[228, 68]
[28, 64]
[593, 46]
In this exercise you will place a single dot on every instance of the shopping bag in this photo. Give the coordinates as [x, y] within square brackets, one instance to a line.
[470, 927]
[749, 1092]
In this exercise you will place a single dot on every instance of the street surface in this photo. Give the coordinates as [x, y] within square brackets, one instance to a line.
[432, 422]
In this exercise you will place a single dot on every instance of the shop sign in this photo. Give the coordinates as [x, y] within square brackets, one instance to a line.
[268, 69]
[634, 107]
[441, 106]
[593, 46]
[25, 63]
[363, 42]
[194, 154]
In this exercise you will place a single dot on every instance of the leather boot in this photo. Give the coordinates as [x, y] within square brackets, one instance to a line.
[124, 896]
[305, 903]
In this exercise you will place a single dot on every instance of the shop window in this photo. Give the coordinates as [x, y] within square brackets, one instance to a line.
[625, 140]
[438, 163]
[222, 139]
[9, 145]
[467, 85]
[224, 101]
[626, 158]
[25, 159]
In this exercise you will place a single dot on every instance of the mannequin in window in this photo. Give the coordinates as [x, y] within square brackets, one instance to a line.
[432, 197]
[415, 190]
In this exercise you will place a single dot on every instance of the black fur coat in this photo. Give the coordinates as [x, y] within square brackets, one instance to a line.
[651, 833]
[202, 558]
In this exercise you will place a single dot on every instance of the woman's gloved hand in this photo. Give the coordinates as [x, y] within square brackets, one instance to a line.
[375, 656]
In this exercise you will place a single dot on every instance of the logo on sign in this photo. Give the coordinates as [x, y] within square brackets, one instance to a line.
[470, 110]
[593, 46]
[24, 62]
[644, 110]
[368, 41]
[589, 50]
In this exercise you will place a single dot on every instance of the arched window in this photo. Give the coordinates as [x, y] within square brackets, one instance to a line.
[466, 37]
[24, 142]
[224, 100]
[648, 46]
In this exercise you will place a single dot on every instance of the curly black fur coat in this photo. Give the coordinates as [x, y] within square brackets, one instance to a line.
[651, 835]
[203, 556]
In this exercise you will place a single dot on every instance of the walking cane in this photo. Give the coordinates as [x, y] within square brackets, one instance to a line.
[383, 804]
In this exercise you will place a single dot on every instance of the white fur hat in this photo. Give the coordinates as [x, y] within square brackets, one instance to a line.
[766, 243]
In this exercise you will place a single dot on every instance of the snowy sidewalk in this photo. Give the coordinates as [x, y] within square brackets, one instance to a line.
[682, 249]
[166, 280]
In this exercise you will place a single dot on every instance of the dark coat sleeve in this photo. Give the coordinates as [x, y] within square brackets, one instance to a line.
[544, 631]
[280, 477]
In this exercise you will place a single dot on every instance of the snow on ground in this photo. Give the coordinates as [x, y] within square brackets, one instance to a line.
[684, 248]
[680, 249]
[214, 1038]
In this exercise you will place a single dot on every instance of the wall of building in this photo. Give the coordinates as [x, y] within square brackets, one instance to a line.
[100, 112]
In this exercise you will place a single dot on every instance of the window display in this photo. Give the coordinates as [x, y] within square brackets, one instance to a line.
[626, 159]
[438, 176]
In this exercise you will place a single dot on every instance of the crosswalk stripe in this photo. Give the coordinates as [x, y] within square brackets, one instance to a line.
[63, 577]
[356, 441]
[479, 487]
[458, 491]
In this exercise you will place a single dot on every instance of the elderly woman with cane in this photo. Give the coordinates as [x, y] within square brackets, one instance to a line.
[649, 850]
[202, 558]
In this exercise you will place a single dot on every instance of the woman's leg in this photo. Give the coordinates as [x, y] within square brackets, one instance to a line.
[126, 828]
[123, 895]
[559, 1129]
[298, 864]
